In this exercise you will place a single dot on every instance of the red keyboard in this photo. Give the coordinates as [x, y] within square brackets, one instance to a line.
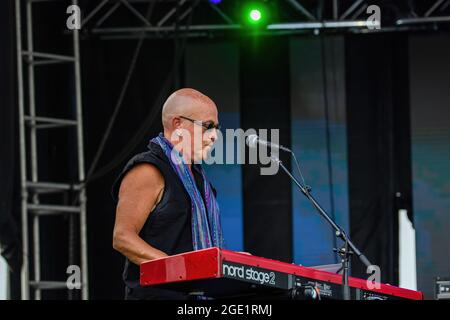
[222, 273]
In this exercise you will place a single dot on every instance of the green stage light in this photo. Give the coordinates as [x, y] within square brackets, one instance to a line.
[255, 15]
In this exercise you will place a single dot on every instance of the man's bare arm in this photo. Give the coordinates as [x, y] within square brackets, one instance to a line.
[139, 193]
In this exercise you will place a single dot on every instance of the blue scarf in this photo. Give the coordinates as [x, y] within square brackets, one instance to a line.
[206, 226]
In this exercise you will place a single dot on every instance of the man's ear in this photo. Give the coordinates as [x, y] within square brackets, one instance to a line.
[176, 122]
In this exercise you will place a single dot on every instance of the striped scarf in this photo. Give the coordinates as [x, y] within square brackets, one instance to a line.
[206, 226]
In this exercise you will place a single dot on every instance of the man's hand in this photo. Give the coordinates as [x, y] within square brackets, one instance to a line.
[140, 191]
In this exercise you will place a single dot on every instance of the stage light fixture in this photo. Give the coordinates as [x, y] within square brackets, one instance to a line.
[256, 14]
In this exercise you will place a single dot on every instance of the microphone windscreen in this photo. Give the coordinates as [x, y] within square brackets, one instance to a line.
[252, 141]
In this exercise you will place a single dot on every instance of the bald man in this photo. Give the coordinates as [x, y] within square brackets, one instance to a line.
[165, 204]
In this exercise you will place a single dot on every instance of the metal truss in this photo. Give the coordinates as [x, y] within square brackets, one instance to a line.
[438, 12]
[295, 15]
[33, 206]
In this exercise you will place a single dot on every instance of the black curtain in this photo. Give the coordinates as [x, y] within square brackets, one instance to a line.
[10, 244]
[265, 104]
[105, 65]
[378, 147]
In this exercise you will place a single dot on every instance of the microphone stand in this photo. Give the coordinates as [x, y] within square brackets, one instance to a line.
[348, 249]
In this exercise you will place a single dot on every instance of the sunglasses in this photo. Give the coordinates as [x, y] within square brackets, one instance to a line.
[209, 125]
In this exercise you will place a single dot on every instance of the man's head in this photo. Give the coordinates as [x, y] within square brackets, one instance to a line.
[185, 115]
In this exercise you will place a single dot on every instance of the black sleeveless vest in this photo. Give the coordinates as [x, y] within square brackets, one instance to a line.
[168, 227]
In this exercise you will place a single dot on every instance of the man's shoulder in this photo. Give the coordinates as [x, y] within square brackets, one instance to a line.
[143, 176]
[152, 156]
[154, 152]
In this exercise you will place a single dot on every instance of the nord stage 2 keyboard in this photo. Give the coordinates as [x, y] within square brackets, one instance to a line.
[222, 273]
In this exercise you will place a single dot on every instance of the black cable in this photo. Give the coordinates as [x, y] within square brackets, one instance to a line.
[137, 138]
[147, 123]
[307, 187]
[328, 135]
[123, 91]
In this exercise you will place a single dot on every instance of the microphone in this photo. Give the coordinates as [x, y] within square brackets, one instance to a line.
[253, 140]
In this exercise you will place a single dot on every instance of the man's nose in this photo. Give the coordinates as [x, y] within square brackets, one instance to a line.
[213, 135]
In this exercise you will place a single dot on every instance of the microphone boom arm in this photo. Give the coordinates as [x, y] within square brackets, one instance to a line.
[339, 232]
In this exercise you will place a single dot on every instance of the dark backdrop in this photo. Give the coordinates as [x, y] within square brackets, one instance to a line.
[378, 146]
[265, 103]
[430, 130]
